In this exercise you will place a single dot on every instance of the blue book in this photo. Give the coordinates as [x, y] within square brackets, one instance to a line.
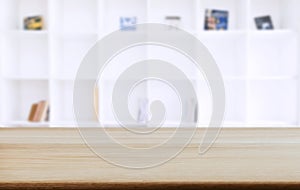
[128, 23]
[216, 20]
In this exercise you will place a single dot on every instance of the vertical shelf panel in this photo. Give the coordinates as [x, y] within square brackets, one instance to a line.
[8, 17]
[2, 108]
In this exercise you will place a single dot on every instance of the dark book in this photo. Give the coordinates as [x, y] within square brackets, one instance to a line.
[264, 23]
[48, 114]
[216, 19]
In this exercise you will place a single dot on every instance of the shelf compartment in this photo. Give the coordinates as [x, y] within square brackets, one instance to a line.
[175, 57]
[235, 102]
[106, 113]
[282, 12]
[16, 10]
[78, 16]
[229, 51]
[68, 55]
[273, 54]
[273, 101]
[172, 101]
[27, 56]
[19, 96]
[62, 110]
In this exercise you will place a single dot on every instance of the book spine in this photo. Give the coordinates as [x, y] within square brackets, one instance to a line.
[44, 111]
[39, 112]
[96, 102]
[32, 112]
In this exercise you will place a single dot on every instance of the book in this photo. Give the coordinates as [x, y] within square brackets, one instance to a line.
[264, 23]
[44, 108]
[48, 114]
[32, 112]
[96, 101]
[128, 23]
[39, 111]
[173, 22]
[216, 19]
[33, 23]
[143, 115]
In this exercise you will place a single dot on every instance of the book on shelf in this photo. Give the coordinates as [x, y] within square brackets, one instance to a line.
[48, 114]
[96, 101]
[33, 23]
[264, 23]
[173, 22]
[143, 115]
[32, 112]
[128, 23]
[39, 111]
[216, 19]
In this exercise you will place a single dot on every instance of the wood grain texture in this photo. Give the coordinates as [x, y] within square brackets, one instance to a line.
[59, 156]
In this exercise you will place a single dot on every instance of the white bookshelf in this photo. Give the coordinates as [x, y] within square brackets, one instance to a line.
[260, 68]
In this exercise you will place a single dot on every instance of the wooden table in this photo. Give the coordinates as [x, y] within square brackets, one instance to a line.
[241, 157]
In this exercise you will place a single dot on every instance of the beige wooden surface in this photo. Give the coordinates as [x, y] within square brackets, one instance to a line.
[239, 155]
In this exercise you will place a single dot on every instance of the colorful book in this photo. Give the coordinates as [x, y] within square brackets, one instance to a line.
[33, 23]
[216, 19]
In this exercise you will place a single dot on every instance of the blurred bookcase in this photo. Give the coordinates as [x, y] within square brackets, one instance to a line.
[260, 68]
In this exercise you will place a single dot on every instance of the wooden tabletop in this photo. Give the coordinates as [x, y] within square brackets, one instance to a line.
[59, 157]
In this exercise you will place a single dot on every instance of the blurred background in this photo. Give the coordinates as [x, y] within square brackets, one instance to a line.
[255, 44]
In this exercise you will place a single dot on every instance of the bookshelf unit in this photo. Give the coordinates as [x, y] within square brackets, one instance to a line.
[260, 68]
